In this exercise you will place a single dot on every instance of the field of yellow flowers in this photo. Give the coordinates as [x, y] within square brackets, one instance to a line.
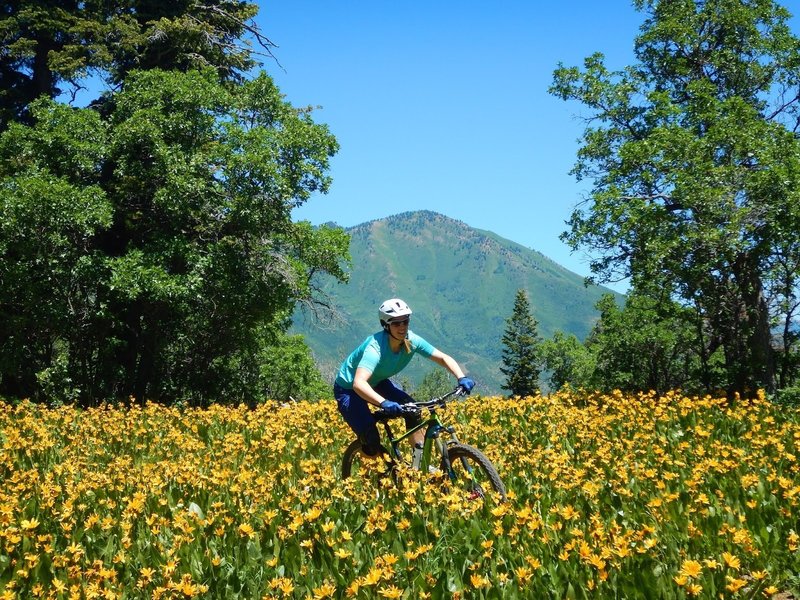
[609, 496]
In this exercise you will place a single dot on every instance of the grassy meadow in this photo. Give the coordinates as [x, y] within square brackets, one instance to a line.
[611, 496]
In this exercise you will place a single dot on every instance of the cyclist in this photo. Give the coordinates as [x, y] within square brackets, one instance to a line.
[364, 376]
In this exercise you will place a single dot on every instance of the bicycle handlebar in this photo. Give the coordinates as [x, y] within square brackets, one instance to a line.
[442, 400]
[431, 404]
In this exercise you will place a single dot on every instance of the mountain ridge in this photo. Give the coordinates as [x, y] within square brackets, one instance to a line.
[459, 281]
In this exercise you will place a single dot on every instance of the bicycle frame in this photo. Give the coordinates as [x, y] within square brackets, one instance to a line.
[434, 429]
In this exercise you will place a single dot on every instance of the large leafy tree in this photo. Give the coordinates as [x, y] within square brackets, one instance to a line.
[51, 46]
[521, 352]
[146, 244]
[152, 253]
[694, 159]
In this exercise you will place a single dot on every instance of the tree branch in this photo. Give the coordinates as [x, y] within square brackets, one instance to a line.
[252, 29]
[669, 203]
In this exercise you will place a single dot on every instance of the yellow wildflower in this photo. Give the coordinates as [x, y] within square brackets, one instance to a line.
[313, 513]
[390, 592]
[734, 585]
[691, 569]
[352, 589]
[523, 574]
[478, 581]
[534, 563]
[29, 525]
[373, 577]
[597, 562]
[246, 530]
[694, 589]
[500, 510]
[326, 590]
[731, 560]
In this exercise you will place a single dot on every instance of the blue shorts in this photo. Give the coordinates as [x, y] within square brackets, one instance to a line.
[357, 414]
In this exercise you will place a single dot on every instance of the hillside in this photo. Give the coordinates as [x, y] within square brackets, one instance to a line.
[460, 283]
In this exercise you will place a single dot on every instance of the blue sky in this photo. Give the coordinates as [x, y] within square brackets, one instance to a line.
[444, 106]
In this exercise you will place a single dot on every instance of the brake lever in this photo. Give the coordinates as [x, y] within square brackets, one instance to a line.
[410, 409]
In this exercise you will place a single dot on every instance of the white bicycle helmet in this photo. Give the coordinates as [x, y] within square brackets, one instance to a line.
[392, 309]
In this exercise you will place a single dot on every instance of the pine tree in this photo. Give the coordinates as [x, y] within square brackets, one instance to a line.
[521, 342]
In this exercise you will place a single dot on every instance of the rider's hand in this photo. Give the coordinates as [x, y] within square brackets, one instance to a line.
[467, 384]
[393, 409]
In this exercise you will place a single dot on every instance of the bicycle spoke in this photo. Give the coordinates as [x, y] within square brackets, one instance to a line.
[473, 474]
[359, 465]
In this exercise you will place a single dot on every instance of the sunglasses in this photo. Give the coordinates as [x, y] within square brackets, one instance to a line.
[402, 322]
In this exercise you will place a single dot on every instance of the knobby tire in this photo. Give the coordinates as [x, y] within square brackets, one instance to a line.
[459, 454]
[353, 451]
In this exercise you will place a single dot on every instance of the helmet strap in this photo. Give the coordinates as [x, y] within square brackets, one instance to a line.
[404, 339]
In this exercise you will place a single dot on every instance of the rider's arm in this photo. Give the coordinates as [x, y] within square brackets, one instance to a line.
[448, 363]
[362, 387]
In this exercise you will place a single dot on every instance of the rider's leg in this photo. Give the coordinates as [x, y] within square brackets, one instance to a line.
[390, 391]
[358, 416]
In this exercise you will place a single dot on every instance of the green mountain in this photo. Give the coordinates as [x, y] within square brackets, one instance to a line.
[459, 281]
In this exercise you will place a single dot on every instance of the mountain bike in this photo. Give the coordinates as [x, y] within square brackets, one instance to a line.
[461, 466]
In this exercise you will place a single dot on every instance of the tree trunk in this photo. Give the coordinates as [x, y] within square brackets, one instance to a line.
[758, 368]
[42, 77]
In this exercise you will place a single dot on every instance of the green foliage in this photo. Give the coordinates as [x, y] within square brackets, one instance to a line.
[789, 396]
[567, 361]
[49, 218]
[696, 173]
[521, 349]
[288, 371]
[647, 345]
[436, 382]
[149, 251]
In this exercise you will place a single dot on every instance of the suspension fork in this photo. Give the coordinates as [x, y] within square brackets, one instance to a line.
[443, 444]
[434, 436]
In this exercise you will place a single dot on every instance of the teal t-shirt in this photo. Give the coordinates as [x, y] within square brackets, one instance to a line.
[375, 355]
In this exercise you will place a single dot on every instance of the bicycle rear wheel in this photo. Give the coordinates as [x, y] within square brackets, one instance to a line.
[356, 463]
[472, 472]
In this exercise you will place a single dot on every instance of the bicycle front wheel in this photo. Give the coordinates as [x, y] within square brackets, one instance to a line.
[472, 472]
